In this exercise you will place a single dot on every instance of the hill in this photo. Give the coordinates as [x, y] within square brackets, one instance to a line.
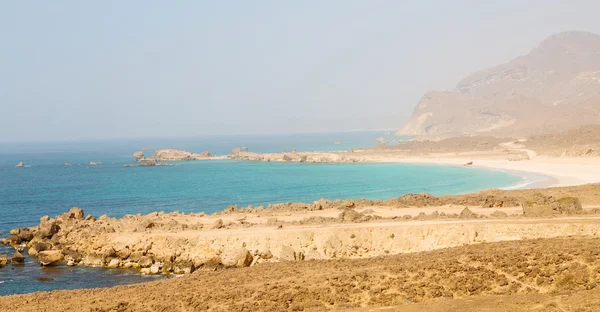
[555, 87]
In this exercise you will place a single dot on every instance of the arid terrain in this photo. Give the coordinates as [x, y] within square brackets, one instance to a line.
[559, 274]
[403, 252]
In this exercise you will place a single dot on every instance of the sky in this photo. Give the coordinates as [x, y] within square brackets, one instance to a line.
[77, 70]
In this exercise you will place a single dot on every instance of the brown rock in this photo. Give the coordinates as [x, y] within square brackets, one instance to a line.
[467, 214]
[569, 205]
[48, 228]
[147, 162]
[218, 224]
[75, 213]
[94, 259]
[183, 267]
[145, 262]
[25, 235]
[3, 260]
[236, 257]
[90, 218]
[351, 215]
[113, 263]
[287, 253]
[36, 247]
[50, 257]
[14, 239]
[124, 253]
[17, 258]
[138, 155]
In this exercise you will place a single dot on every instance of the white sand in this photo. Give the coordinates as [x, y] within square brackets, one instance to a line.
[565, 171]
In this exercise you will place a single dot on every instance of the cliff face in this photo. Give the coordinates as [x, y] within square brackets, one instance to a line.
[554, 87]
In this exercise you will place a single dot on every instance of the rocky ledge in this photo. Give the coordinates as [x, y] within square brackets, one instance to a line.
[238, 237]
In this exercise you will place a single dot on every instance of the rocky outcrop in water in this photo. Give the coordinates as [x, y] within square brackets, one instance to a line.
[147, 162]
[20, 165]
[172, 154]
[138, 155]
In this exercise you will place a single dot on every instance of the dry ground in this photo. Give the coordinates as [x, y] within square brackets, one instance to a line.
[559, 274]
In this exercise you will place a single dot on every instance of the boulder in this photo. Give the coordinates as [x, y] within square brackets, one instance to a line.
[467, 214]
[73, 254]
[50, 257]
[48, 228]
[94, 260]
[75, 213]
[542, 206]
[236, 257]
[145, 271]
[124, 253]
[14, 239]
[155, 268]
[20, 165]
[145, 262]
[36, 247]
[17, 258]
[265, 253]
[183, 267]
[3, 260]
[323, 204]
[138, 155]
[113, 263]
[93, 163]
[288, 253]
[218, 224]
[26, 235]
[351, 215]
[569, 205]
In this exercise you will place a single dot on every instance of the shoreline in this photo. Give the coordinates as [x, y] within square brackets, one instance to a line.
[568, 171]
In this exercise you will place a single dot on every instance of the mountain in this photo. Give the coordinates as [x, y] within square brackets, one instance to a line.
[553, 88]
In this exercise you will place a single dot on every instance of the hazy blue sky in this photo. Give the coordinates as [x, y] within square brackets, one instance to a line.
[107, 69]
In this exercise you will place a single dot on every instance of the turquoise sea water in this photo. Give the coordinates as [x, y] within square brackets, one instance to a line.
[47, 187]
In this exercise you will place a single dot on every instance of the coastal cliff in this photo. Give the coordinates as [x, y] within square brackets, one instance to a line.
[554, 87]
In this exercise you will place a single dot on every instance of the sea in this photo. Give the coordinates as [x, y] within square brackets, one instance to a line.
[46, 186]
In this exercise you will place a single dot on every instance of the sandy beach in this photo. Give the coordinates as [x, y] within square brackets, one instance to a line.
[566, 171]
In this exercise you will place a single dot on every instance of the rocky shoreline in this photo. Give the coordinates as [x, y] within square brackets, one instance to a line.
[181, 243]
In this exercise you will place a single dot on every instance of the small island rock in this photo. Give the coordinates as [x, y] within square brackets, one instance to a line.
[138, 155]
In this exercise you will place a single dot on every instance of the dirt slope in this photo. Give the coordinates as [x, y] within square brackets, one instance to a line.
[566, 266]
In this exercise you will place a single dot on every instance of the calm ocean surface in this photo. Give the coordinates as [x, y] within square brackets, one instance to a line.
[47, 187]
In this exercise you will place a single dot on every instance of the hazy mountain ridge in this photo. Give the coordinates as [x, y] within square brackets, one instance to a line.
[554, 87]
